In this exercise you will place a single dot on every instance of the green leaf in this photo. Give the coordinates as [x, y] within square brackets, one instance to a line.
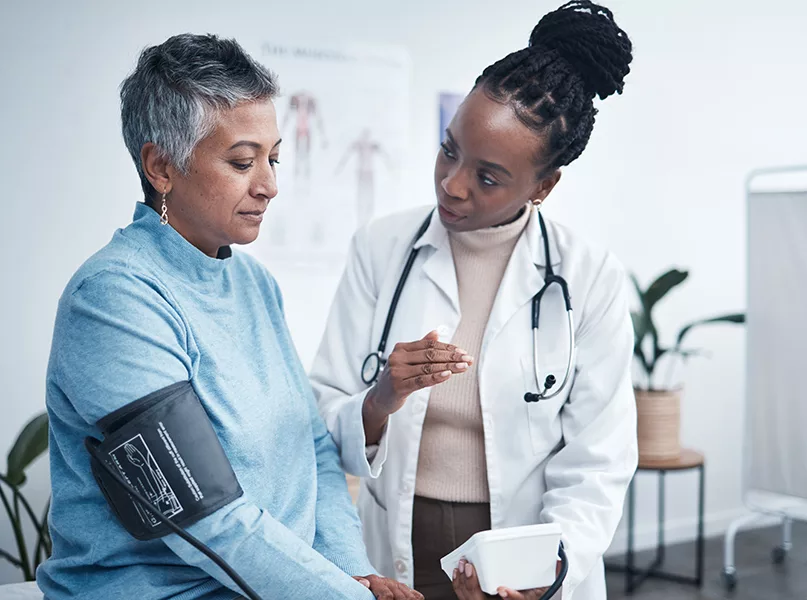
[655, 292]
[659, 352]
[640, 325]
[731, 318]
[659, 288]
[637, 352]
[640, 331]
[687, 352]
[637, 286]
[32, 441]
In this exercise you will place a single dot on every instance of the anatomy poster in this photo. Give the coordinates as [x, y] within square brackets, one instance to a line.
[343, 117]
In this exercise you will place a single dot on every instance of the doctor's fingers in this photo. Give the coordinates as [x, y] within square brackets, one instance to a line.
[405, 372]
[406, 380]
[431, 355]
[466, 584]
[426, 344]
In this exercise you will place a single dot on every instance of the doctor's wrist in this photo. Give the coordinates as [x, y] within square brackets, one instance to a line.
[374, 418]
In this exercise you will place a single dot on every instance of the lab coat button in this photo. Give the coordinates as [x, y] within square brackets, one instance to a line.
[400, 566]
[442, 330]
[406, 489]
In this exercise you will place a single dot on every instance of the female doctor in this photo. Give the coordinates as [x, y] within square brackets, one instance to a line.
[487, 422]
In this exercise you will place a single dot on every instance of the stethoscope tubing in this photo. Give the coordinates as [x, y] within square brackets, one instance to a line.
[374, 362]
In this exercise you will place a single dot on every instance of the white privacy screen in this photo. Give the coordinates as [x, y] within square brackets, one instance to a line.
[776, 402]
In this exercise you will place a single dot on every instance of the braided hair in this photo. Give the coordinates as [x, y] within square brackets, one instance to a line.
[575, 53]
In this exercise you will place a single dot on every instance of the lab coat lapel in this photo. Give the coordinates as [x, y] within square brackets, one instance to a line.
[439, 266]
[523, 277]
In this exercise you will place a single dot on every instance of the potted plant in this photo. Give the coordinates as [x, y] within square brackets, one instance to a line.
[658, 403]
[30, 444]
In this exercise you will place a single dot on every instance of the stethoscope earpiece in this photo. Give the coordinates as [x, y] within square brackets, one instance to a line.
[548, 383]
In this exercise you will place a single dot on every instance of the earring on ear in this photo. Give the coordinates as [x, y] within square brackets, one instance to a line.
[164, 212]
[537, 204]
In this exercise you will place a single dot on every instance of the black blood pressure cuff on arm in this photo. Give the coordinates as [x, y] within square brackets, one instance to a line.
[164, 446]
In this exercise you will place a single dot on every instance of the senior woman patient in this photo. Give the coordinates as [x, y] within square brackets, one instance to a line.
[168, 301]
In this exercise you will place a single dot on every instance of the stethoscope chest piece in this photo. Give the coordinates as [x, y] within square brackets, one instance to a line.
[371, 368]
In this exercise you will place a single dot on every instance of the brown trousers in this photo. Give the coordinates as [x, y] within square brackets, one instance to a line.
[438, 528]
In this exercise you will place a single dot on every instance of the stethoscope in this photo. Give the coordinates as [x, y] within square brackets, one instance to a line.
[375, 361]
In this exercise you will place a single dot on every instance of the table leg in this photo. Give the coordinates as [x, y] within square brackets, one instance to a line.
[661, 499]
[629, 557]
[701, 503]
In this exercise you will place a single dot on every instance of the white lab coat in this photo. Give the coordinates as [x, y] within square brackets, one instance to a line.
[566, 460]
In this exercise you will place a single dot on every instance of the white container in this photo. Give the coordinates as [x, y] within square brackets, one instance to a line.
[520, 558]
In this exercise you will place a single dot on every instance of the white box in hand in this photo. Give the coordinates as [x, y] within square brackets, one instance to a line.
[520, 558]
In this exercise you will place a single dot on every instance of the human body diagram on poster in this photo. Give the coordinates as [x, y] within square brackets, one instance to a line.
[344, 121]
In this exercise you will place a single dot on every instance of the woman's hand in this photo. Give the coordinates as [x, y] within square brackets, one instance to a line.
[411, 366]
[466, 586]
[388, 589]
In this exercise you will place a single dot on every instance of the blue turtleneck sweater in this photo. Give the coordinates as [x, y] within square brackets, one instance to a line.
[150, 310]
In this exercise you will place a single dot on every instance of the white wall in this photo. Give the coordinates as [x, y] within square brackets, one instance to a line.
[717, 88]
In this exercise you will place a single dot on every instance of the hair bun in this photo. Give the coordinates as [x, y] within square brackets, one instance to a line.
[586, 35]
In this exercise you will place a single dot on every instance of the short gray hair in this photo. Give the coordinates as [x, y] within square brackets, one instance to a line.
[172, 96]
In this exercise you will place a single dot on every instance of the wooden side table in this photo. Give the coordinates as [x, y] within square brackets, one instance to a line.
[634, 576]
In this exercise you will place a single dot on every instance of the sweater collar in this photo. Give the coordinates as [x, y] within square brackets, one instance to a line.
[492, 240]
[172, 252]
[436, 236]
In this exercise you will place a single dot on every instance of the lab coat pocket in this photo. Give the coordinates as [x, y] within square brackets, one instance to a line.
[543, 416]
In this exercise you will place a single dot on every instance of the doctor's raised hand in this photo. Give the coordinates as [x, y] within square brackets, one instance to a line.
[410, 367]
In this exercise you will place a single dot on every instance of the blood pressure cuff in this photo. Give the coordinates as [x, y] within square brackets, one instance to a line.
[164, 446]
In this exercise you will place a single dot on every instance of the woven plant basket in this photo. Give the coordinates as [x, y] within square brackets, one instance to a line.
[659, 424]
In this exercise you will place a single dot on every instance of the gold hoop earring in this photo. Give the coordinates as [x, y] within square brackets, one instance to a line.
[164, 212]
